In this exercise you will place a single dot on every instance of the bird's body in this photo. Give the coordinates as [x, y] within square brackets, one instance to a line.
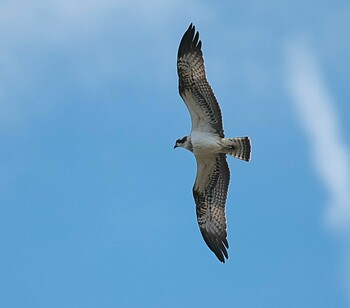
[205, 142]
[208, 143]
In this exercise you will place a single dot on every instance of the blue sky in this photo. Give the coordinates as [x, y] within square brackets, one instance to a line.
[96, 208]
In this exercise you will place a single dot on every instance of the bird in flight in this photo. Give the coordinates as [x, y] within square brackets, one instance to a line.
[208, 144]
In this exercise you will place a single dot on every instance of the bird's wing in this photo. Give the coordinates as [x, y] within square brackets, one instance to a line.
[210, 193]
[194, 87]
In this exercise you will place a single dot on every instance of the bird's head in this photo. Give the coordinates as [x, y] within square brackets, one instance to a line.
[183, 142]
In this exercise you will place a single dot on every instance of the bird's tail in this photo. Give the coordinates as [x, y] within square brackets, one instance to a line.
[239, 147]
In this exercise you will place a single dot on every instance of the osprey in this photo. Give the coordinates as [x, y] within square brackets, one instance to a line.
[208, 144]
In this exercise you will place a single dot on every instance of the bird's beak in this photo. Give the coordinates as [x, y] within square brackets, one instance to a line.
[175, 146]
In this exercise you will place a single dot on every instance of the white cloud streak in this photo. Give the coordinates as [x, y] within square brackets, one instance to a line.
[316, 110]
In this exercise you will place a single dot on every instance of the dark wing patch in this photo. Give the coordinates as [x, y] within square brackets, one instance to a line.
[210, 197]
[193, 85]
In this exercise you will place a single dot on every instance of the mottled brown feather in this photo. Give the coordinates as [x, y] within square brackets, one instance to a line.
[193, 85]
[210, 203]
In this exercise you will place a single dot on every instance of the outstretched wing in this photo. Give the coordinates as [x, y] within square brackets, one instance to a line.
[210, 193]
[194, 87]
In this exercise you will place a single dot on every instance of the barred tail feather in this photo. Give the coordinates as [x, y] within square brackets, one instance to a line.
[239, 147]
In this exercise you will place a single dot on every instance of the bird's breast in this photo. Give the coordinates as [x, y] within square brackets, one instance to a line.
[205, 143]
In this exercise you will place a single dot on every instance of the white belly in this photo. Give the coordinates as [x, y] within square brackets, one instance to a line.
[205, 143]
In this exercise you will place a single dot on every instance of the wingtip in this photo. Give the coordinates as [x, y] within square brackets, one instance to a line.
[190, 41]
[217, 246]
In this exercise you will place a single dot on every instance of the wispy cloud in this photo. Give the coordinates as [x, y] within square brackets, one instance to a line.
[88, 42]
[316, 110]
